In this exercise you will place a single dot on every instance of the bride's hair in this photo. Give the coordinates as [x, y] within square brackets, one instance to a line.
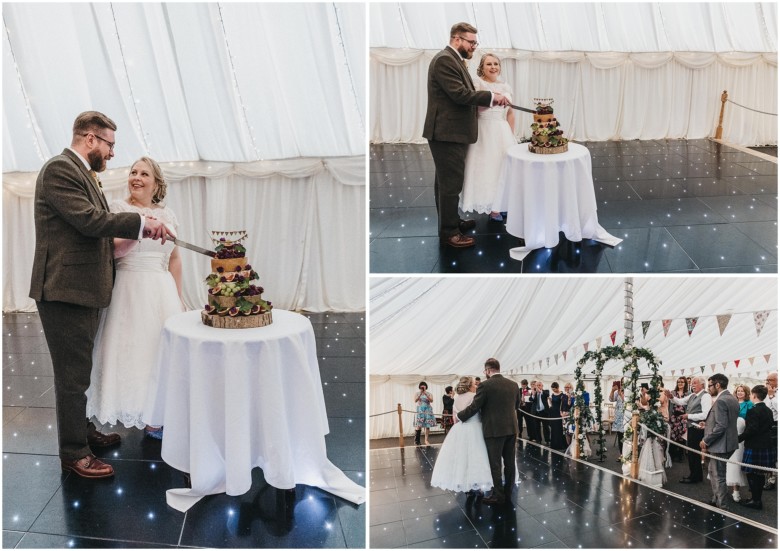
[464, 384]
[481, 67]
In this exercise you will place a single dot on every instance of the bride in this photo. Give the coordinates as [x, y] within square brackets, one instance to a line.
[462, 464]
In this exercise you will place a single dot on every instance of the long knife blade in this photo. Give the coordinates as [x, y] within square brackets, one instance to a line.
[523, 109]
[195, 248]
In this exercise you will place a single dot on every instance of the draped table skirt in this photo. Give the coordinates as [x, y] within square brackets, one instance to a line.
[235, 399]
[546, 194]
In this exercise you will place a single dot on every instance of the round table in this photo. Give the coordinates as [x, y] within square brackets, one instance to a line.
[235, 399]
[546, 194]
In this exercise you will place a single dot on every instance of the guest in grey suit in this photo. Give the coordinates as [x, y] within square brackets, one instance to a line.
[451, 125]
[73, 274]
[720, 434]
[498, 399]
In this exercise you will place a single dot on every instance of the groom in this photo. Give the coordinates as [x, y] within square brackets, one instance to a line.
[73, 276]
[498, 399]
[451, 125]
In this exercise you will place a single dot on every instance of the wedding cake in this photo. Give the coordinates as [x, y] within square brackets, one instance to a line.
[546, 135]
[234, 301]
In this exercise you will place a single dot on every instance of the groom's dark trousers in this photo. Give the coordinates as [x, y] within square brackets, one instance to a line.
[72, 279]
[497, 400]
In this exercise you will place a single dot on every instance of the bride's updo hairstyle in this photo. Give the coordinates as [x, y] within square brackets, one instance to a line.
[464, 384]
[481, 66]
[157, 174]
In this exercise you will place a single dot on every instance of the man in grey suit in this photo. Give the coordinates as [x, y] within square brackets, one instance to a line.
[73, 276]
[451, 125]
[698, 405]
[498, 400]
[720, 435]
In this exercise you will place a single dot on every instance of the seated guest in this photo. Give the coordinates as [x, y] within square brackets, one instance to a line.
[759, 449]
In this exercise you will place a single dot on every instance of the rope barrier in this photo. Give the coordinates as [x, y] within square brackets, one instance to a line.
[707, 455]
[751, 109]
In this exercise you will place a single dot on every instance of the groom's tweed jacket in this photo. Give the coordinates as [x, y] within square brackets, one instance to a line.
[497, 399]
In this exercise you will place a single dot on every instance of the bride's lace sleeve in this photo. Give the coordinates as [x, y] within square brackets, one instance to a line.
[118, 205]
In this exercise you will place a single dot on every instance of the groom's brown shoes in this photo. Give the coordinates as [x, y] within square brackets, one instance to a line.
[87, 467]
[99, 440]
[458, 241]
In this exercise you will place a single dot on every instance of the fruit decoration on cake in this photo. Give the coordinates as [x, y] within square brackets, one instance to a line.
[546, 135]
[234, 302]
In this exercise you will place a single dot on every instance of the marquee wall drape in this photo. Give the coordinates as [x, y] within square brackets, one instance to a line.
[255, 112]
[435, 329]
[616, 71]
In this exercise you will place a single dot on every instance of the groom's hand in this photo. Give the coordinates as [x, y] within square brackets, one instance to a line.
[500, 99]
[154, 229]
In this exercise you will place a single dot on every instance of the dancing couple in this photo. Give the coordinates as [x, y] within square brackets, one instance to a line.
[484, 436]
[469, 126]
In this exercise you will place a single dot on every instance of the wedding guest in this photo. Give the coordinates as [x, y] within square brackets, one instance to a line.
[698, 405]
[424, 419]
[678, 431]
[534, 428]
[525, 399]
[760, 449]
[644, 397]
[555, 399]
[566, 408]
[771, 403]
[619, 397]
[742, 392]
[496, 134]
[477, 380]
[735, 478]
[446, 418]
[720, 435]
[541, 409]
[147, 291]
[451, 125]
[73, 228]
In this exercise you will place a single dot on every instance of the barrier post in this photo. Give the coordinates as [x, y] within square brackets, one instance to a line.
[400, 427]
[719, 131]
[635, 444]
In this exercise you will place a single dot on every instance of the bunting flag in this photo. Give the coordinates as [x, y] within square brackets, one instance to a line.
[564, 355]
[751, 359]
[548, 361]
[766, 357]
[723, 321]
[666, 324]
[585, 346]
[702, 368]
[672, 372]
[691, 324]
[613, 335]
[760, 319]
[736, 362]
[598, 343]
[725, 364]
[712, 367]
[556, 359]
[645, 327]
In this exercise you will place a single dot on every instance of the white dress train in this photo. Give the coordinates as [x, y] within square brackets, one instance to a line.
[734, 474]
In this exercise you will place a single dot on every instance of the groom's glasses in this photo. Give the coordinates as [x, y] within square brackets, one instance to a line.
[473, 43]
[110, 144]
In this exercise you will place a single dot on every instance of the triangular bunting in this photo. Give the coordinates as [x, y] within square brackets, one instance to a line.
[751, 360]
[613, 335]
[723, 321]
[760, 319]
[556, 359]
[598, 343]
[702, 368]
[736, 362]
[666, 324]
[564, 355]
[725, 364]
[712, 367]
[673, 372]
[691, 324]
[585, 346]
[645, 327]
[766, 357]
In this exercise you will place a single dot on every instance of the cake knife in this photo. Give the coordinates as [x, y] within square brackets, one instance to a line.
[523, 109]
[192, 247]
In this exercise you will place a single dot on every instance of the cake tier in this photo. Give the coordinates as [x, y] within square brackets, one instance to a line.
[230, 276]
[229, 302]
[548, 150]
[237, 322]
[543, 118]
[227, 264]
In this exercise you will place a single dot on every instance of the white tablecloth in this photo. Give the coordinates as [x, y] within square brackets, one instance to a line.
[547, 194]
[234, 399]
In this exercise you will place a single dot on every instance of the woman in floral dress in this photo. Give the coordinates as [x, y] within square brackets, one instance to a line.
[677, 421]
[424, 419]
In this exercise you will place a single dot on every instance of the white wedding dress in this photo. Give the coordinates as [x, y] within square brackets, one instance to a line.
[485, 157]
[128, 337]
[462, 464]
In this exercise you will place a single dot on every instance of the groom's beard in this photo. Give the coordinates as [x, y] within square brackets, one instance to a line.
[466, 54]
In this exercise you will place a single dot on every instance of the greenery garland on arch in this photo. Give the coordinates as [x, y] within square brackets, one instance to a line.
[630, 356]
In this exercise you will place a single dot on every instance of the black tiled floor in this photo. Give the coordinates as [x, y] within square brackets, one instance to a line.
[557, 503]
[44, 508]
[649, 193]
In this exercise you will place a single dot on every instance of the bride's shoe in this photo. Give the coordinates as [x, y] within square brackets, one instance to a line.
[153, 432]
[496, 217]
